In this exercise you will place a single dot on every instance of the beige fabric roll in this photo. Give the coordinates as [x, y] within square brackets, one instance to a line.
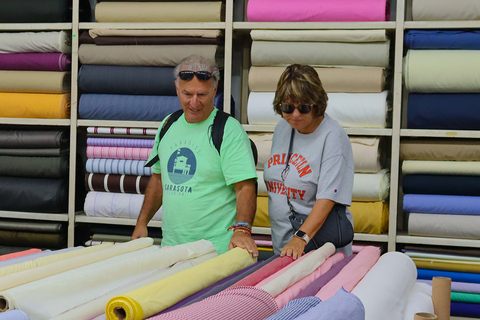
[210, 11]
[159, 56]
[263, 142]
[367, 154]
[278, 53]
[153, 33]
[35, 81]
[22, 42]
[440, 149]
[470, 168]
[431, 10]
[355, 80]
[320, 35]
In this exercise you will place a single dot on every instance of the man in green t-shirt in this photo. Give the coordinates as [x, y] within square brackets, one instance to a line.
[203, 193]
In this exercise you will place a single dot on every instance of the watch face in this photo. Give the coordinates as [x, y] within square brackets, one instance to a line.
[300, 234]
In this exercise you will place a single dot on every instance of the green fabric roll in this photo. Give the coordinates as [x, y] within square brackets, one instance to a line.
[465, 297]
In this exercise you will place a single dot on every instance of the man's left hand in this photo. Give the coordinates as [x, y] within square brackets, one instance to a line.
[245, 241]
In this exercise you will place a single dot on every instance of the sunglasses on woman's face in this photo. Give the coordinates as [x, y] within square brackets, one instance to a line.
[289, 108]
[187, 75]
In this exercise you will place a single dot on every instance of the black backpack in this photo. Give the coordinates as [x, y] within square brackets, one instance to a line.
[217, 129]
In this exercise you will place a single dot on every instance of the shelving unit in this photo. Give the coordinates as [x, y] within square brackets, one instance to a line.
[236, 65]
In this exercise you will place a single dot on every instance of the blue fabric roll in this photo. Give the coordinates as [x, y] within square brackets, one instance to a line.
[295, 308]
[451, 111]
[455, 276]
[463, 309]
[430, 203]
[443, 39]
[127, 80]
[131, 107]
[118, 166]
[441, 184]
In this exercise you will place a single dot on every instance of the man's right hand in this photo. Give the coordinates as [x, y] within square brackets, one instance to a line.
[139, 232]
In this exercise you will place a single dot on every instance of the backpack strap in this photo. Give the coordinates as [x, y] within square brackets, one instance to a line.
[166, 125]
[218, 128]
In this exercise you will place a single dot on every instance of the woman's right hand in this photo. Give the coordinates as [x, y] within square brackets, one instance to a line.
[294, 248]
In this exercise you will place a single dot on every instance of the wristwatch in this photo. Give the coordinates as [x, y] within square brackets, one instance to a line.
[302, 235]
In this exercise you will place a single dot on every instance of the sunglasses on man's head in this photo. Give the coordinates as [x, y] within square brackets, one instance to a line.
[187, 75]
[289, 108]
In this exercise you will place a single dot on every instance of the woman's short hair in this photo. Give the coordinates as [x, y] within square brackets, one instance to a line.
[301, 84]
[196, 62]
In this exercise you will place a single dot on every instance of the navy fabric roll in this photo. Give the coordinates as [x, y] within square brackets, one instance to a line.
[450, 111]
[443, 39]
[462, 309]
[127, 80]
[130, 107]
[427, 274]
[441, 184]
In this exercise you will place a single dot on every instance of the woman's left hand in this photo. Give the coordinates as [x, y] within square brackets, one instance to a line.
[294, 248]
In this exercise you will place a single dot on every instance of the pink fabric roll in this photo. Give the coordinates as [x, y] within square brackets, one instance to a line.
[18, 254]
[351, 274]
[316, 10]
[279, 272]
[118, 153]
[357, 248]
[264, 272]
[264, 243]
[283, 298]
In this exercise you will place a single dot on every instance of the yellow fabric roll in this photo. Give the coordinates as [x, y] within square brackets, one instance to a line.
[447, 265]
[261, 216]
[155, 297]
[370, 217]
[50, 259]
[35, 105]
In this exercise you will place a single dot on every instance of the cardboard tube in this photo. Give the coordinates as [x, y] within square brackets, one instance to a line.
[425, 316]
[441, 290]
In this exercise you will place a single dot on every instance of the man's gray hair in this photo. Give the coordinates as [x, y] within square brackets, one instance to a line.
[196, 62]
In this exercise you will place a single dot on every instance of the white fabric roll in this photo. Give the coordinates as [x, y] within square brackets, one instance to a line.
[385, 288]
[371, 186]
[441, 167]
[54, 41]
[262, 188]
[320, 35]
[419, 300]
[444, 225]
[115, 205]
[431, 10]
[359, 110]
[49, 297]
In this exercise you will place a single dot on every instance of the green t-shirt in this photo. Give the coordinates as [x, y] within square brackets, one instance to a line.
[198, 194]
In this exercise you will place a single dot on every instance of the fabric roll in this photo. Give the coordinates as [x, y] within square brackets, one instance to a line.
[31, 11]
[115, 205]
[205, 11]
[454, 168]
[465, 297]
[295, 308]
[116, 142]
[117, 166]
[275, 264]
[35, 105]
[157, 296]
[145, 40]
[439, 149]
[460, 251]
[33, 194]
[48, 152]
[52, 41]
[32, 226]
[320, 35]
[118, 153]
[368, 154]
[443, 39]
[444, 225]
[441, 184]
[33, 139]
[263, 142]
[371, 187]
[14, 315]
[442, 71]
[455, 276]
[277, 53]
[447, 265]
[462, 309]
[419, 300]
[29, 257]
[116, 183]
[18, 254]
[305, 10]
[34, 81]
[32, 239]
[385, 288]
[118, 238]
[158, 56]
[126, 80]
[203, 33]
[35, 61]
[262, 218]
[441, 256]
[430, 10]
[353, 80]
[262, 188]
[122, 131]
[38, 167]
[458, 287]
[429, 203]
[365, 110]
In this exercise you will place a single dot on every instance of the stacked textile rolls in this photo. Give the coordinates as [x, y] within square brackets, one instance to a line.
[31, 233]
[116, 177]
[34, 82]
[370, 190]
[440, 186]
[128, 74]
[441, 73]
[350, 63]
[461, 266]
[316, 11]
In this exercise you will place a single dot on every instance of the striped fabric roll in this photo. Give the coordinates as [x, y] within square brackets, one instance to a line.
[117, 166]
[127, 131]
[115, 142]
[118, 153]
